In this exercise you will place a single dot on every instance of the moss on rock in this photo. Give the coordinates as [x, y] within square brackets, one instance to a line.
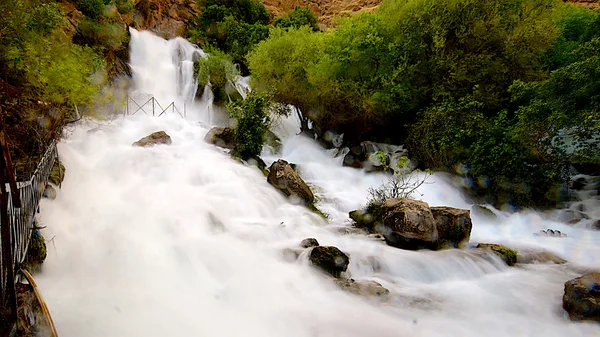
[57, 175]
[509, 256]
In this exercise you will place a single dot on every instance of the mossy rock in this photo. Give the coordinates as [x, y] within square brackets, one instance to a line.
[509, 256]
[36, 252]
[308, 243]
[57, 175]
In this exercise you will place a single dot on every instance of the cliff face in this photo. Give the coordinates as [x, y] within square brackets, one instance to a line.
[326, 10]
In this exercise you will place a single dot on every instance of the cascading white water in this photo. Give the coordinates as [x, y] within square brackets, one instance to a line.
[182, 240]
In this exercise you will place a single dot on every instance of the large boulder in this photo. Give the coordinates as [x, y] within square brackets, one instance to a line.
[582, 297]
[528, 257]
[364, 219]
[453, 226]
[330, 259]
[155, 138]
[509, 256]
[283, 177]
[221, 137]
[408, 224]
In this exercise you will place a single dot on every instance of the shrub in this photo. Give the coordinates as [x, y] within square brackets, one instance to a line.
[45, 18]
[101, 36]
[298, 18]
[124, 6]
[91, 8]
[218, 70]
[253, 118]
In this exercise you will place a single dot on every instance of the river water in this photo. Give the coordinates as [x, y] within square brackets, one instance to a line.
[182, 240]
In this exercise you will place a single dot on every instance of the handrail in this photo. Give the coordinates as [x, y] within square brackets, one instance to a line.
[41, 301]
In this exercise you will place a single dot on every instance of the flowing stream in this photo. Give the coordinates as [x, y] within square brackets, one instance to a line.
[182, 240]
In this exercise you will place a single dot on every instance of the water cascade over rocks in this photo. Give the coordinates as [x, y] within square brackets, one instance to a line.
[182, 240]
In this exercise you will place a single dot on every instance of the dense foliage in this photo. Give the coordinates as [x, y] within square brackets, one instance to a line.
[488, 90]
[218, 70]
[297, 18]
[252, 122]
[231, 26]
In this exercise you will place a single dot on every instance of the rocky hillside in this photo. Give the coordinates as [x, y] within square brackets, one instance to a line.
[326, 10]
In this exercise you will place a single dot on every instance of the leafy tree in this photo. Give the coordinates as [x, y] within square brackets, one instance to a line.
[252, 122]
[91, 8]
[297, 18]
[218, 70]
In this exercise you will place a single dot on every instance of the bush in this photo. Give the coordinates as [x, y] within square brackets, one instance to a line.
[102, 37]
[91, 8]
[124, 6]
[218, 70]
[45, 18]
[298, 18]
[253, 118]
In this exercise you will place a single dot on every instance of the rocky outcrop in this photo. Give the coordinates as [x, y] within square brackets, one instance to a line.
[283, 177]
[453, 225]
[326, 10]
[308, 243]
[509, 256]
[582, 297]
[221, 137]
[156, 138]
[330, 259]
[408, 224]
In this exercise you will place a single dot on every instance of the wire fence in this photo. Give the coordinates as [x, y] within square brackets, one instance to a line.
[151, 106]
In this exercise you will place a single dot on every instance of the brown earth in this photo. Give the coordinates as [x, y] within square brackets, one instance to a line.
[326, 10]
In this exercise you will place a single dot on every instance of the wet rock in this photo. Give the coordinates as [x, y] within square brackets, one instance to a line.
[283, 177]
[550, 232]
[221, 137]
[155, 138]
[596, 224]
[57, 175]
[509, 256]
[330, 259]
[539, 257]
[272, 141]
[453, 226]
[291, 255]
[49, 192]
[483, 212]
[310, 242]
[581, 298]
[408, 224]
[363, 288]
[363, 219]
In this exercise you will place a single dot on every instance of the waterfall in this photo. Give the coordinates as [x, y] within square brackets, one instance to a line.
[183, 240]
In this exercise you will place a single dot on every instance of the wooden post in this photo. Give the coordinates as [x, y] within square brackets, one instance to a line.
[9, 298]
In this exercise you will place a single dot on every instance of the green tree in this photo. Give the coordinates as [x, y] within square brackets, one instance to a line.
[297, 18]
[252, 117]
[218, 70]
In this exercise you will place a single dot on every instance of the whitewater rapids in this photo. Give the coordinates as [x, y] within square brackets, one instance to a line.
[182, 240]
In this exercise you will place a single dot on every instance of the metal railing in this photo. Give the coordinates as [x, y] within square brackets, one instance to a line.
[151, 106]
[18, 204]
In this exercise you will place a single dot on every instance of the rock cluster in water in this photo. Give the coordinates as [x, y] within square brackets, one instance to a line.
[412, 224]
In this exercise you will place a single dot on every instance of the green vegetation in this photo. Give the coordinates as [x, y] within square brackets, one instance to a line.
[252, 122]
[298, 18]
[503, 93]
[218, 70]
[231, 26]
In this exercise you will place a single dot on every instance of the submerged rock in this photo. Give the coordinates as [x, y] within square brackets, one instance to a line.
[453, 225]
[550, 232]
[509, 256]
[582, 297]
[310, 242]
[408, 224]
[49, 192]
[363, 219]
[484, 212]
[363, 288]
[283, 177]
[539, 257]
[155, 138]
[330, 259]
[221, 137]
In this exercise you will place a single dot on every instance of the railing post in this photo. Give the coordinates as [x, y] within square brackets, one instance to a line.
[9, 294]
[153, 106]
